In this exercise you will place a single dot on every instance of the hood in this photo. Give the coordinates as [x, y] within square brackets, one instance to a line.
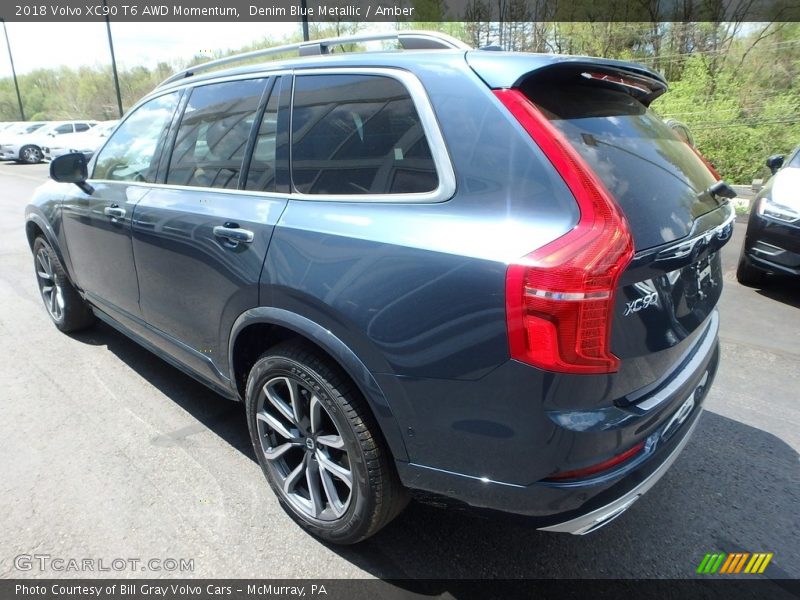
[786, 188]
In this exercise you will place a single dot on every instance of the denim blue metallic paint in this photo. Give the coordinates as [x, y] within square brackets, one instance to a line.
[410, 299]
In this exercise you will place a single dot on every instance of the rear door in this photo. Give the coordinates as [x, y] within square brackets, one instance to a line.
[663, 187]
[200, 239]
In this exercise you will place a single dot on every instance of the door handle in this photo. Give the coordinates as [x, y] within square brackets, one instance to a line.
[233, 233]
[115, 212]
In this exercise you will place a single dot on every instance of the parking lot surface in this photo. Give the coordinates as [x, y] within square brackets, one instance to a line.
[109, 452]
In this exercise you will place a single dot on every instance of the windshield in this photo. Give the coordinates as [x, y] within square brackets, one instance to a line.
[794, 161]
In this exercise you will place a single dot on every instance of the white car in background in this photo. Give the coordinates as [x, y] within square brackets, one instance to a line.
[9, 135]
[7, 125]
[85, 142]
[27, 147]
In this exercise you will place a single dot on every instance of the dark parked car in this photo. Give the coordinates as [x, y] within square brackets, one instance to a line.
[486, 275]
[772, 241]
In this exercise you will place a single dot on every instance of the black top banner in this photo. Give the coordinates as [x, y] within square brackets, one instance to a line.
[404, 10]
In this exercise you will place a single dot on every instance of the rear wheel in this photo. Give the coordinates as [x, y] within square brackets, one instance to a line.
[319, 446]
[30, 154]
[65, 306]
[749, 275]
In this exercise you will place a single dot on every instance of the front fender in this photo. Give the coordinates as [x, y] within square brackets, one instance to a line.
[341, 353]
[34, 218]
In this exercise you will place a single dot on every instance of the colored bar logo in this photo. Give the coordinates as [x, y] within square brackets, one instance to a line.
[735, 562]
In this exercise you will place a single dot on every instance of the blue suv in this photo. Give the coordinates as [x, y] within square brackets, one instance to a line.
[489, 276]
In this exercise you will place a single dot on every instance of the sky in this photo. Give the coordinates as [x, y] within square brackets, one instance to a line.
[42, 45]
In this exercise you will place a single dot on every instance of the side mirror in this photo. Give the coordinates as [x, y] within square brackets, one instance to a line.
[71, 168]
[775, 162]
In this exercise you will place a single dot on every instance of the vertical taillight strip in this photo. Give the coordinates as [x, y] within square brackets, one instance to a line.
[560, 298]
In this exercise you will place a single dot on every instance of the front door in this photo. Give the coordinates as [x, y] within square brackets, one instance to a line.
[98, 225]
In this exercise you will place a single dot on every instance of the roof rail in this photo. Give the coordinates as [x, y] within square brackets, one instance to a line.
[409, 40]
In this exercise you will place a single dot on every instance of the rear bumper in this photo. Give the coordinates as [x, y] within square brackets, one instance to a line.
[595, 519]
[582, 505]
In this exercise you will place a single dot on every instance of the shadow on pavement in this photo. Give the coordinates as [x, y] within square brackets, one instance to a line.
[220, 415]
[735, 488]
[782, 289]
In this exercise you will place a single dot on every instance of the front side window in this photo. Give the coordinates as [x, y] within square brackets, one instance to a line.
[212, 137]
[82, 127]
[358, 134]
[130, 154]
[61, 129]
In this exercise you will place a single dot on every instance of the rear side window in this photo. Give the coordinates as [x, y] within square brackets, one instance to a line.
[81, 127]
[131, 154]
[213, 133]
[359, 135]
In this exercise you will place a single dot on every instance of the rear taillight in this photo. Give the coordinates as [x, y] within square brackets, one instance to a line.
[560, 298]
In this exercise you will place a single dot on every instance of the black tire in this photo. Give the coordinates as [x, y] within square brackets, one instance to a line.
[68, 311]
[749, 275]
[375, 496]
[30, 154]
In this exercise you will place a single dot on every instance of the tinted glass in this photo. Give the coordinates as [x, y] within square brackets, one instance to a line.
[358, 134]
[657, 178]
[63, 129]
[130, 154]
[213, 134]
[81, 127]
[794, 160]
[261, 174]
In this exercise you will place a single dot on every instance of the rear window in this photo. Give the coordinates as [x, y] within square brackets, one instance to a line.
[657, 179]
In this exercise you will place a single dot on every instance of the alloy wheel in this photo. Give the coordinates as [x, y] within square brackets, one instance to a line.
[51, 291]
[304, 448]
[31, 155]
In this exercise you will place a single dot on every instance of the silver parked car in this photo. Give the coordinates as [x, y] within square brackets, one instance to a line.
[86, 142]
[27, 147]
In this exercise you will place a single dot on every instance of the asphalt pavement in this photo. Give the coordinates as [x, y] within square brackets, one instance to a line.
[109, 452]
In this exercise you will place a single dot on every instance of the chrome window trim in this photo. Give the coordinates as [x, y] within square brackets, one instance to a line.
[430, 125]
[188, 188]
[441, 158]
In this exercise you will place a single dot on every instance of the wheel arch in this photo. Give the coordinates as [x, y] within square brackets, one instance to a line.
[36, 225]
[267, 326]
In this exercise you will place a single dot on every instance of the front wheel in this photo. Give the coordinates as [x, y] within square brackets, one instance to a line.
[30, 154]
[319, 446]
[68, 311]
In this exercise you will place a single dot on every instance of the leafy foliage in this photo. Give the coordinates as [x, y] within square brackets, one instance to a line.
[736, 85]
